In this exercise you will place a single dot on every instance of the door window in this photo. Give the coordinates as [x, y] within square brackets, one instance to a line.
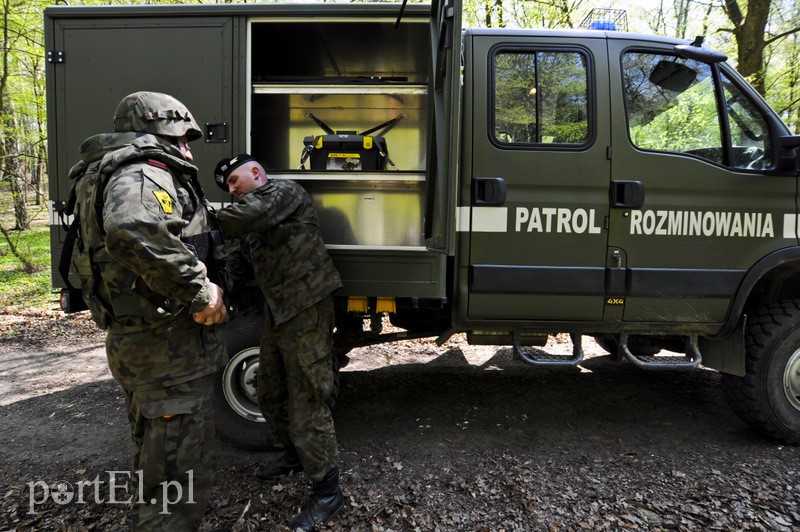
[672, 105]
[540, 97]
[749, 133]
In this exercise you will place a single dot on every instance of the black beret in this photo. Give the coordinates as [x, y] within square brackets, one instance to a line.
[226, 166]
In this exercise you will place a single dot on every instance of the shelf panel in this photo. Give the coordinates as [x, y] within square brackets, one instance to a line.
[264, 88]
[414, 177]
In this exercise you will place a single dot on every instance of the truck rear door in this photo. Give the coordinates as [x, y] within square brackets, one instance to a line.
[102, 58]
[445, 109]
[532, 214]
[97, 59]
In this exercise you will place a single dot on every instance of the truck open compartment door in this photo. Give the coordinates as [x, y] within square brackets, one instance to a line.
[445, 125]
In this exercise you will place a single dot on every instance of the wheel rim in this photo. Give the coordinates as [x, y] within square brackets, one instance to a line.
[791, 380]
[239, 384]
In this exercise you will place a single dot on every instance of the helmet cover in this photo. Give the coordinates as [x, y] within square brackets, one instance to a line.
[156, 113]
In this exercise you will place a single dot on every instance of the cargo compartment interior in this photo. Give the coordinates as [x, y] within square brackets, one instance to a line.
[322, 68]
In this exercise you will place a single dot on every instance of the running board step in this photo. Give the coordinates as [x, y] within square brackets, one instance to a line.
[540, 358]
[690, 360]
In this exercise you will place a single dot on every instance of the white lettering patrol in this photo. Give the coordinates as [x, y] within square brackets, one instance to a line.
[558, 220]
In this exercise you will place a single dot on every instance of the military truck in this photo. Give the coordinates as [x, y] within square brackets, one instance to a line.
[507, 184]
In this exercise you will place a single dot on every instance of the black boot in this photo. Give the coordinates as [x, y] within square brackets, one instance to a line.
[326, 502]
[288, 462]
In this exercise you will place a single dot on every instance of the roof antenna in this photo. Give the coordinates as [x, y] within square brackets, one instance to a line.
[698, 41]
[400, 14]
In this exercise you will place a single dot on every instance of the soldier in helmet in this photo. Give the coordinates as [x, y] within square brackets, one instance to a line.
[279, 236]
[145, 275]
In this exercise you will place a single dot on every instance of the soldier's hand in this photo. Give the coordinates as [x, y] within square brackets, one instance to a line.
[215, 312]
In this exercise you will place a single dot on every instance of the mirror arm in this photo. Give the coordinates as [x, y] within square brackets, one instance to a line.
[789, 143]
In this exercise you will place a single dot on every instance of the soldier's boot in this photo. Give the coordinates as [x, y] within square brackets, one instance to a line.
[327, 501]
[288, 462]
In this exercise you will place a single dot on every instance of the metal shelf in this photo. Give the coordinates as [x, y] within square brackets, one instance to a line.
[269, 88]
[350, 176]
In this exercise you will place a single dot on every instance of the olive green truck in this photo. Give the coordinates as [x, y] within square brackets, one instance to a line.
[509, 184]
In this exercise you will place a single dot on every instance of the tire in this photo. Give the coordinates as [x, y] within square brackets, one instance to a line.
[237, 416]
[768, 396]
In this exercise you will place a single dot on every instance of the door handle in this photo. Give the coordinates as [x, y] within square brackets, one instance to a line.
[217, 132]
[489, 191]
[626, 194]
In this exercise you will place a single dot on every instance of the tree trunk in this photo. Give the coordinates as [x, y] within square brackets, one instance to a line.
[11, 169]
[501, 23]
[40, 149]
[750, 40]
[681, 17]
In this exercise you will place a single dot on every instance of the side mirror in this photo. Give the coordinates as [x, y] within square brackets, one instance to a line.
[790, 141]
[790, 145]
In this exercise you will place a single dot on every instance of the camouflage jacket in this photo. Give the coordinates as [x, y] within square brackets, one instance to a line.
[280, 240]
[147, 275]
[135, 199]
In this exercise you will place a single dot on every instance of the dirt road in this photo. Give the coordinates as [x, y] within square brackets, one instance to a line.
[432, 438]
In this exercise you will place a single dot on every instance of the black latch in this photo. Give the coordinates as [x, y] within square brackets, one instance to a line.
[217, 132]
[489, 191]
[55, 56]
[627, 194]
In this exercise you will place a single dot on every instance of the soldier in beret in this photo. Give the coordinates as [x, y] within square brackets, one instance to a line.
[279, 237]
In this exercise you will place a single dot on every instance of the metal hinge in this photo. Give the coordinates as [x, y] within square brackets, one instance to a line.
[55, 56]
[449, 10]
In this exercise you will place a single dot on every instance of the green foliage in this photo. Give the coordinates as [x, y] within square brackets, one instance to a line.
[19, 289]
[688, 126]
[541, 97]
[689, 122]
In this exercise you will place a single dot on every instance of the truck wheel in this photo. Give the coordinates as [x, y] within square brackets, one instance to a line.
[768, 396]
[237, 416]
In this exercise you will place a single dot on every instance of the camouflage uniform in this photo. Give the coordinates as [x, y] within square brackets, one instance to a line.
[280, 240]
[136, 199]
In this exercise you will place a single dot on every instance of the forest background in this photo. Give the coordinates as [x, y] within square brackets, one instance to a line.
[760, 37]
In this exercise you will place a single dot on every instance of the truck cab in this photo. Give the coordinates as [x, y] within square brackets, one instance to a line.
[641, 179]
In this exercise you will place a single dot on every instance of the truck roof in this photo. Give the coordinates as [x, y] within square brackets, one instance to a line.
[252, 10]
[582, 33]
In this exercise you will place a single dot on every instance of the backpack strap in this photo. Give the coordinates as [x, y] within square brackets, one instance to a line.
[73, 236]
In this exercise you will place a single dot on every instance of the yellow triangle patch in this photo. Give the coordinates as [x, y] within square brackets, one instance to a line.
[165, 200]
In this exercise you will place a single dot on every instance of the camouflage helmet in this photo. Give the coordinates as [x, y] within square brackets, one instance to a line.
[156, 113]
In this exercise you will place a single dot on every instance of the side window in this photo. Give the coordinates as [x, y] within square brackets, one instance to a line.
[540, 97]
[749, 132]
[671, 105]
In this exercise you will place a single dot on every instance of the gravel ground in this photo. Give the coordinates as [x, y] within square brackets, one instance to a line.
[445, 438]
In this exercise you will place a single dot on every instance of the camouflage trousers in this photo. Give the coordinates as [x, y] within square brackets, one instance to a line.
[173, 429]
[296, 385]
